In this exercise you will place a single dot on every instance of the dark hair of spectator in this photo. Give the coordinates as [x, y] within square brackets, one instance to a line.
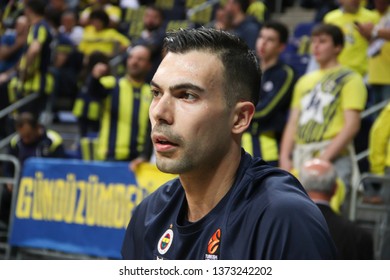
[72, 13]
[156, 9]
[54, 17]
[37, 6]
[100, 15]
[95, 58]
[244, 4]
[26, 118]
[280, 28]
[242, 73]
[331, 30]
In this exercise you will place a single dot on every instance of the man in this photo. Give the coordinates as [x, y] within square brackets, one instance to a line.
[98, 36]
[33, 74]
[325, 110]
[112, 10]
[70, 28]
[379, 153]
[242, 25]
[225, 204]
[11, 49]
[152, 35]
[379, 51]
[87, 108]
[65, 64]
[264, 134]
[32, 140]
[351, 14]
[318, 177]
[12, 46]
[124, 121]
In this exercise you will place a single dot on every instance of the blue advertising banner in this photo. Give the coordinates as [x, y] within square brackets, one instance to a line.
[79, 207]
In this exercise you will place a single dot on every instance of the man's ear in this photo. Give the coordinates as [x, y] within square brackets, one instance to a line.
[338, 49]
[243, 114]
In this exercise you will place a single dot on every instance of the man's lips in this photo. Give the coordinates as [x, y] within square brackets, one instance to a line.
[162, 143]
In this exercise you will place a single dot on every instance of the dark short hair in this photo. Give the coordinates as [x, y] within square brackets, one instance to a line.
[156, 9]
[332, 30]
[242, 73]
[95, 58]
[244, 4]
[53, 16]
[280, 28]
[72, 13]
[101, 15]
[37, 6]
[26, 118]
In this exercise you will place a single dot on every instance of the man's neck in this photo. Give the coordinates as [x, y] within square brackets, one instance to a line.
[351, 10]
[329, 64]
[136, 81]
[205, 188]
[266, 64]
[35, 19]
[319, 196]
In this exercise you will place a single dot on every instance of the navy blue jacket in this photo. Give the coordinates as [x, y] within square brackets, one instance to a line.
[265, 215]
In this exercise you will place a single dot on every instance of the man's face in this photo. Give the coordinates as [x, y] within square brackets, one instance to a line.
[68, 21]
[381, 5]
[268, 45]
[152, 19]
[231, 7]
[138, 62]
[28, 134]
[57, 4]
[97, 23]
[191, 123]
[323, 48]
[21, 26]
[350, 5]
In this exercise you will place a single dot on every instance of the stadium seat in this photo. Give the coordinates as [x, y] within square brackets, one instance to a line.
[132, 22]
[374, 216]
[177, 24]
[296, 61]
[172, 9]
[201, 17]
[301, 37]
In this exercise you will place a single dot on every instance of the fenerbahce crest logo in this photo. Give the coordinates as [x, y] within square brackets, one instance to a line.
[165, 242]
[212, 251]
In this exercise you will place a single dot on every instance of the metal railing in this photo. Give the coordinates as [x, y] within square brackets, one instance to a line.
[14, 180]
[11, 108]
[201, 7]
[14, 106]
[368, 112]
[356, 182]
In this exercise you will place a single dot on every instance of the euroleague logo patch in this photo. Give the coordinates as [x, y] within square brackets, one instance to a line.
[165, 242]
[213, 246]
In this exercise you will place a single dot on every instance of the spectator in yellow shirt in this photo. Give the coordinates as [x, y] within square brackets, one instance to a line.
[379, 152]
[100, 37]
[351, 13]
[325, 109]
[379, 51]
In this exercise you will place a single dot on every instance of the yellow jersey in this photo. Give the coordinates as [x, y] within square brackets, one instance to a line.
[379, 65]
[354, 54]
[379, 143]
[107, 41]
[322, 97]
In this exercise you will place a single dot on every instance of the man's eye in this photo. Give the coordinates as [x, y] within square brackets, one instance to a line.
[188, 96]
[155, 93]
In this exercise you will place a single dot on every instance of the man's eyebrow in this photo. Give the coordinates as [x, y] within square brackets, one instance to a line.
[181, 86]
